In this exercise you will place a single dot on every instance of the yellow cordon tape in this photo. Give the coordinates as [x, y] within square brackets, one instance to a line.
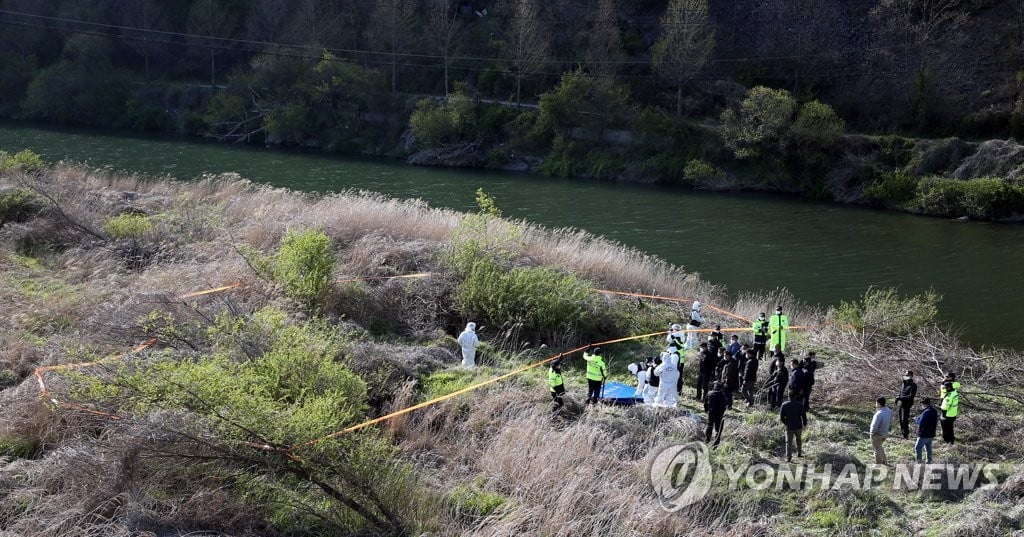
[44, 392]
[467, 389]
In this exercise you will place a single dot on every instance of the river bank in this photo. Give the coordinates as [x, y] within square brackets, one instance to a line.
[224, 421]
[823, 252]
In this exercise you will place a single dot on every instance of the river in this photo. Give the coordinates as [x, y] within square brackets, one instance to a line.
[823, 253]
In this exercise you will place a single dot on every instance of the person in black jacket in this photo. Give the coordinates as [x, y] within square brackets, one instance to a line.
[779, 379]
[794, 416]
[905, 402]
[750, 377]
[810, 366]
[653, 380]
[715, 404]
[729, 377]
[714, 344]
[927, 422]
[705, 371]
[797, 379]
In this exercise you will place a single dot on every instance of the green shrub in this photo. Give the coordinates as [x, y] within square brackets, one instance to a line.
[17, 447]
[453, 121]
[561, 161]
[8, 378]
[891, 189]
[698, 172]
[985, 198]
[496, 157]
[472, 502]
[592, 103]
[18, 204]
[884, 312]
[303, 265]
[445, 382]
[759, 123]
[817, 126]
[540, 298]
[24, 160]
[128, 226]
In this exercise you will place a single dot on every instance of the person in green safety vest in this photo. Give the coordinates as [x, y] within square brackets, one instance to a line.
[597, 372]
[760, 328]
[950, 409]
[778, 326]
[557, 384]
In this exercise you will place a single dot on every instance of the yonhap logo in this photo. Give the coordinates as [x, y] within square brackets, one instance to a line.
[681, 474]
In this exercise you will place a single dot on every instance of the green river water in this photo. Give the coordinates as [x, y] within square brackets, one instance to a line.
[823, 253]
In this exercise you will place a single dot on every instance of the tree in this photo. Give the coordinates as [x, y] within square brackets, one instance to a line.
[527, 46]
[922, 25]
[685, 46]
[266, 20]
[604, 44]
[211, 22]
[442, 32]
[760, 123]
[390, 26]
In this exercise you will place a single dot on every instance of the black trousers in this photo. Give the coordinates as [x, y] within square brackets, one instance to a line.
[556, 395]
[593, 390]
[748, 392]
[775, 395]
[947, 430]
[703, 380]
[759, 349]
[906, 404]
[807, 397]
[714, 429]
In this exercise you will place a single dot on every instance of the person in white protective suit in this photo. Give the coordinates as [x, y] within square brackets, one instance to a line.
[640, 373]
[468, 341]
[668, 371]
[695, 320]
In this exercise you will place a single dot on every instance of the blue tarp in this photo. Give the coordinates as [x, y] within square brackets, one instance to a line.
[618, 393]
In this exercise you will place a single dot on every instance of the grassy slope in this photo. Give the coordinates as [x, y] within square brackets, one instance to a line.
[503, 465]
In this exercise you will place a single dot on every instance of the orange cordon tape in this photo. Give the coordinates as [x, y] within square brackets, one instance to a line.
[676, 299]
[470, 388]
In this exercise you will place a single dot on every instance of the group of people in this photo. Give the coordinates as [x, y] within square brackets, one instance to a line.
[927, 422]
[725, 368]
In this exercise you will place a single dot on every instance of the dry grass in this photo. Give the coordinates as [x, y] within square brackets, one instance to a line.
[581, 472]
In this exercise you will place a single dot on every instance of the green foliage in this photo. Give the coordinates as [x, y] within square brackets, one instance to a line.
[303, 265]
[984, 198]
[453, 121]
[593, 104]
[496, 157]
[891, 189]
[760, 123]
[144, 117]
[16, 72]
[444, 383]
[24, 160]
[471, 501]
[128, 226]
[700, 173]
[17, 447]
[225, 107]
[270, 382]
[486, 204]
[18, 204]
[540, 298]
[883, 311]
[817, 126]
[83, 87]
[561, 161]
[8, 378]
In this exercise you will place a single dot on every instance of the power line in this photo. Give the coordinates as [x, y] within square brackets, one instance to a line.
[362, 53]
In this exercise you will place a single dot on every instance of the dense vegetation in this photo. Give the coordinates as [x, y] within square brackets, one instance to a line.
[648, 91]
[223, 422]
